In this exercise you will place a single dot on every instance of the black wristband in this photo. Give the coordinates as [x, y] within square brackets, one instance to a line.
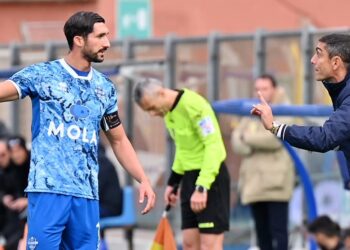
[174, 179]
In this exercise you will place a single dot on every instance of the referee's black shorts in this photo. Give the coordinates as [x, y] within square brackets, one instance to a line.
[214, 219]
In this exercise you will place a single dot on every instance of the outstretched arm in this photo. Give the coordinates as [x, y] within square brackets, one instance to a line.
[8, 91]
[126, 155]
[333, 133]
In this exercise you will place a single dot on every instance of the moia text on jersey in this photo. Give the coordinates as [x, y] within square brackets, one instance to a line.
[73, 132]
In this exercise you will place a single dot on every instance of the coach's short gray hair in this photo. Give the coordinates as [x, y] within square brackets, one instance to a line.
[146, 86]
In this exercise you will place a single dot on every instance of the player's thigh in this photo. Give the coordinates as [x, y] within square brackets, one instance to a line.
[82, 230]
[47, 216]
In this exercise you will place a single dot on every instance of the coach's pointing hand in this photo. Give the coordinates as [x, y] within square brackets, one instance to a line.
[263, 110]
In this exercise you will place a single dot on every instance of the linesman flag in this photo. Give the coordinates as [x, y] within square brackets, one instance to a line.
[164, 238]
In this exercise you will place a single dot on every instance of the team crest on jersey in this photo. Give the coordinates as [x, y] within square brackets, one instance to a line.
[79, 111]
[206, 126]
[100, 93]
[63, 87]
[32, 243]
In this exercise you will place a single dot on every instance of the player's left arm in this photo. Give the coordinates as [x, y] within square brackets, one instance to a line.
[126, 155]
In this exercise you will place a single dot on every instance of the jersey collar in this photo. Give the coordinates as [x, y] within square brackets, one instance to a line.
[72, 72]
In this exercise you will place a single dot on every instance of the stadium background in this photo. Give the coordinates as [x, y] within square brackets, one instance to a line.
[276, 36]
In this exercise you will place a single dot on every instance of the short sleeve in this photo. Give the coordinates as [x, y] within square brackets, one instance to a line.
[205, 123]
[113, 103]
[25, 80]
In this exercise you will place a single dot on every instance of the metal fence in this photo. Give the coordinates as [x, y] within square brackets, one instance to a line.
[217, 66]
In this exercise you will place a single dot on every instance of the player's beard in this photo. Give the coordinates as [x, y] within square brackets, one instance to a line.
[92, 56]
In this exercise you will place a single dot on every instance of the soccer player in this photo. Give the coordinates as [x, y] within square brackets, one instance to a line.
[198, 165]
[70, 100]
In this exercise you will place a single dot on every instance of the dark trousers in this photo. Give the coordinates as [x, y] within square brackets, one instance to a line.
[12, 229]
[271, 224]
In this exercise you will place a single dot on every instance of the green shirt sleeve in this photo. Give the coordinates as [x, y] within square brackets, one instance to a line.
[207, 129]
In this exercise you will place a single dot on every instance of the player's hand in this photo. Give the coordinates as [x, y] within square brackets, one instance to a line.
[146, 191]
[170, 197]
[263, 110]
[199, 201]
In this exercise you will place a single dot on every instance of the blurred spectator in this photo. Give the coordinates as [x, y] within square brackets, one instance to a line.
[346, 238]
[266, 177]
[110, 192]
[3, 162]
[327, 233]
[20, 156]
[23, 241]
[10, 191]
[3, 130]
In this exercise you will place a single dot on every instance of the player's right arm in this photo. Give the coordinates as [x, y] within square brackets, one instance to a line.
[8, 91]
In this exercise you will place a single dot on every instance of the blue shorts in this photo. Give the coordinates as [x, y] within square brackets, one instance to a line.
[59, 222]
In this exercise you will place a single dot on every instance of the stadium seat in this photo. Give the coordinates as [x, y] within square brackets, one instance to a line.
[127, 220]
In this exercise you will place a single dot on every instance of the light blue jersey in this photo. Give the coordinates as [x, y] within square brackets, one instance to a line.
[67, 110]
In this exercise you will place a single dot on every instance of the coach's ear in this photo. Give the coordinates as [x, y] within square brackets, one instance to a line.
[336, 62]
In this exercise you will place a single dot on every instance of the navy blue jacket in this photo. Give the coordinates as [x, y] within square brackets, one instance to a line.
[335, 132]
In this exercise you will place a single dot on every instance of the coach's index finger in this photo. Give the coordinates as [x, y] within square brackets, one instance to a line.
[262, 99]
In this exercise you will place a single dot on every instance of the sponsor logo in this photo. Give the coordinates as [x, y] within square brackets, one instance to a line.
[79, 111]
[73, 132]
[207, 126]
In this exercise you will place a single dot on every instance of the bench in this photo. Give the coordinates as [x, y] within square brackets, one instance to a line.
[127, 220]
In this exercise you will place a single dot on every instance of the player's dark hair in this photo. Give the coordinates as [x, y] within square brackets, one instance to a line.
[81, 24]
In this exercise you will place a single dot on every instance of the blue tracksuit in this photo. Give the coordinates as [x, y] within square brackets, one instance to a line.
[335, 132]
